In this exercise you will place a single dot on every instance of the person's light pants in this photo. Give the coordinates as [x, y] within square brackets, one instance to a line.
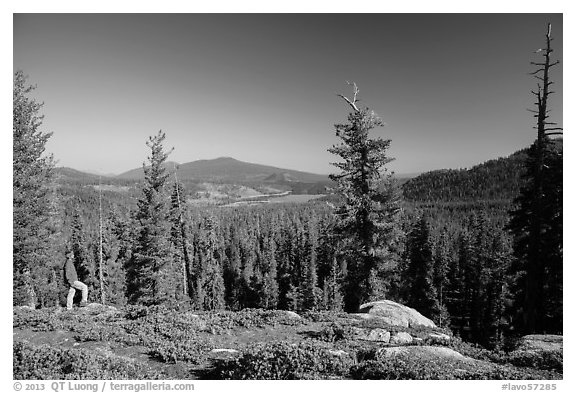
[80, 286]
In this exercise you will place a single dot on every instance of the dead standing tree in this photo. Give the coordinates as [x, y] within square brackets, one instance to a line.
[183, 237]
[536, 223]
[100, 254]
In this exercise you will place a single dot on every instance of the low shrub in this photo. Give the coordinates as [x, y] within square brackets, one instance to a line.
[280, 361]
[539, 360]
[42, 320]
[192, 351]
[335, 332]
[46, 362]
[401, 368]
[248, 318]
[108, 333]
[405, 367]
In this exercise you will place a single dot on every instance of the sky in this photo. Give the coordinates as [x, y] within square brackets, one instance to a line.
[453, 89]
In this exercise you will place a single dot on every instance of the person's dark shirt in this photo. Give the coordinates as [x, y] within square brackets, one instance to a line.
[70, 272]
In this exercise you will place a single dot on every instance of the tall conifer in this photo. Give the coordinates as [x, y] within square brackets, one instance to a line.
[32, 173]
[421, 292]
[148, 278]
[368, 219]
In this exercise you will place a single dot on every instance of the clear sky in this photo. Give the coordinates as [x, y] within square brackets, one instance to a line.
[452, 88]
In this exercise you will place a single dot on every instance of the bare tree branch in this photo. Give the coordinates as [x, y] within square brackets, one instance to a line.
[355, 99]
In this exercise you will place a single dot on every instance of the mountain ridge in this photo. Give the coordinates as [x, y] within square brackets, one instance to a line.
[224, 169]
[494, 179]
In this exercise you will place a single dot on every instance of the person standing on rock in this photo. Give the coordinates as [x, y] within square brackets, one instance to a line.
[72, 280]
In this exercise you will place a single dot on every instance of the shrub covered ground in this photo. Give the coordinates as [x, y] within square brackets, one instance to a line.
[157, 343]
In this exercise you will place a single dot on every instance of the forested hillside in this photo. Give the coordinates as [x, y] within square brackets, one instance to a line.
[498, 179]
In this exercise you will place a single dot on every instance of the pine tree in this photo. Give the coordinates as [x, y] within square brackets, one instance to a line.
[537, 221]
[329, 274]
[368, 219]
[312, 294]
[269, 296]
[32, 173]
[212, 280]
[495, 290]
[297, 276]
[457, 291]
[114, 250]
[333, 299]
[476, 274]
[442, 262]
[286, 256]
[121, 233]
[148, 275]
[233, 270]
[421, 292]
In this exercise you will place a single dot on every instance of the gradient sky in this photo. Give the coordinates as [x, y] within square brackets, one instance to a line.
[452, 88]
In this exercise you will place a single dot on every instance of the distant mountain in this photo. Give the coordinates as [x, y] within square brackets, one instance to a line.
[230, 170]
[406, 175]
[98, 173]
[498, 179]
[73, 174]
[138, 173]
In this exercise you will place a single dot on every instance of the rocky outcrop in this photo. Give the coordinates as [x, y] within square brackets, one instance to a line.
[225, 350]
[290, 314]
[377, 334]
[339, 353]
[395, 314]
[422, 351]
[401, 338]
[24, 308]
[438, 338]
